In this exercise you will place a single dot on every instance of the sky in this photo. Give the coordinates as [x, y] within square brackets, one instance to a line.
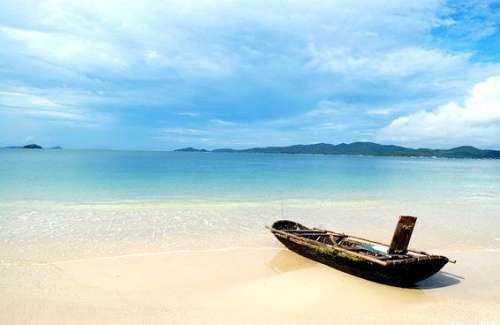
[159, 75]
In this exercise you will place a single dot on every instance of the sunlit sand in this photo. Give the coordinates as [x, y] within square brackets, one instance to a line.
[240, 285]
[214, 262]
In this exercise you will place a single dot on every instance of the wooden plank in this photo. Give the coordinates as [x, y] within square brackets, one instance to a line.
[385, 244]
[402, 235]
[305, 230]
[312, 244]
[367, 240]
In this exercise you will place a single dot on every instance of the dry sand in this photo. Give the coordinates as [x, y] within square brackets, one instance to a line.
[262, 285]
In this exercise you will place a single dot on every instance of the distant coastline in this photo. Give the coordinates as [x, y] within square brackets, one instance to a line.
[363, 148]
[32, 146]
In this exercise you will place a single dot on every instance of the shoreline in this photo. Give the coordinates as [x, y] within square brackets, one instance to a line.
[35, 231]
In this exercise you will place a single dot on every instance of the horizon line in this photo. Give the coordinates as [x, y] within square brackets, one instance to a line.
[233, 148]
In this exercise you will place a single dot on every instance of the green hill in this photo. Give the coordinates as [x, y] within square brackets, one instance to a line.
[365, 148]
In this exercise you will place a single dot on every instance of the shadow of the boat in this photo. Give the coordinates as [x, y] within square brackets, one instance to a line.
[439, 280]
[286, 261]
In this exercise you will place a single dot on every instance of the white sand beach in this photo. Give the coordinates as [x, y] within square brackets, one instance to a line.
[242, 285]
[214, 262]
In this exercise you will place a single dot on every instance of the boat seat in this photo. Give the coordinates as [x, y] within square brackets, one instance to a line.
[337, 239]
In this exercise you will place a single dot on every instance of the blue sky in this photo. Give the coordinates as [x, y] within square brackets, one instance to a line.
[168, 74]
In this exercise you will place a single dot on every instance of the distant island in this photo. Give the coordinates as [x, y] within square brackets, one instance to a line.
[190, 149]
[363, 148]
[32, 146]
[28, 146]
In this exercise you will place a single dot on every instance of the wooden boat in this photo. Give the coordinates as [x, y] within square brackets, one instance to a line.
[393, 264]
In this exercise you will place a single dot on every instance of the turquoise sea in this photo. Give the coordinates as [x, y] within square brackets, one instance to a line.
[97, 176]
[70, 203]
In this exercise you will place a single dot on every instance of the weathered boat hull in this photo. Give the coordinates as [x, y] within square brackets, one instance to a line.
[399, 274]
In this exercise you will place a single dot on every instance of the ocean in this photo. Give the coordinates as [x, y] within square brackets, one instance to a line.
[102, 176]
[71, 203]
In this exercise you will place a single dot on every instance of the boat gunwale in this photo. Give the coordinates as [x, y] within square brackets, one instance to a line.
[316, 244]
[330, 232]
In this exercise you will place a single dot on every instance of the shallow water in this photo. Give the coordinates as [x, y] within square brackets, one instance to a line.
[63, 204]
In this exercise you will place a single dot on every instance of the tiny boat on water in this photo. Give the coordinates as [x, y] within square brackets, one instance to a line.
[392, 264]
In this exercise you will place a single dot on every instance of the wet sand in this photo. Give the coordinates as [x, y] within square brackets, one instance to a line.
[247, 285]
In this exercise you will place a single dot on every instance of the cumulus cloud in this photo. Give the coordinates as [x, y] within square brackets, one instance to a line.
[475, 121]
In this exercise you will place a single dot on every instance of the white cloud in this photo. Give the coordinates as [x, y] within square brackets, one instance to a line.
[319, 124]
[379, 112]
[379, 68]
[476, 121]
[152, 56]
[324, 108]
[110, 40]
[211, 38]
[386, 63]
[187, 132]
[69, 50]
[57, 106]
[189, 114]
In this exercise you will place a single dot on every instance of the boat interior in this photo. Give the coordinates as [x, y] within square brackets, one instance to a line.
[354, 244]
